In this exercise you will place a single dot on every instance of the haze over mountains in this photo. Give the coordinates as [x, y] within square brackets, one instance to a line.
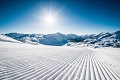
[58, 39]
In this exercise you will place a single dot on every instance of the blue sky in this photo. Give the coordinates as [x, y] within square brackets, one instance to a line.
[74, 16]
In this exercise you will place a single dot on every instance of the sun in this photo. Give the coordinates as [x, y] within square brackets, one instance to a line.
[50, 20]
[50, 16]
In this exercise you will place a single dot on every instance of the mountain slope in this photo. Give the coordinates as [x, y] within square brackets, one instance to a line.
[7, 39]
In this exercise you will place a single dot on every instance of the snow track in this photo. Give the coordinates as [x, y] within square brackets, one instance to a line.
[55, 63]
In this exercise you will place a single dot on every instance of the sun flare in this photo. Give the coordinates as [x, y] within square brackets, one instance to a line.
[50, 16]
[50, 20]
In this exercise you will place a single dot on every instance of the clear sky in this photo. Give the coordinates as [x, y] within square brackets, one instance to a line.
[65, 16]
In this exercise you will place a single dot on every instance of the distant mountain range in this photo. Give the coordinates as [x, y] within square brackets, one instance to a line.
[99, 40]
[59, 39]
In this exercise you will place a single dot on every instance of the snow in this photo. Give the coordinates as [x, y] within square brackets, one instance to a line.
[7, 39]
[19, 61]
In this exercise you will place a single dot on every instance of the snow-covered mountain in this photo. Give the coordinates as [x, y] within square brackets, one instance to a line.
[105, 39]
[55, 39]
[26, 38]
[59, 39]
[7, 39]
[99, 40]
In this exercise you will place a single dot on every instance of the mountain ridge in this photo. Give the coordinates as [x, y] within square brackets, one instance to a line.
[58, 39]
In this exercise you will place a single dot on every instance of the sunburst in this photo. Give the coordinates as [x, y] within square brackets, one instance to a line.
[50, 16]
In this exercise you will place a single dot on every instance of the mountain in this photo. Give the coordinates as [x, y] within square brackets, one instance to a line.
[26, 38]
[100, 40]
[108, 39]
[7, 39]
[55, 39]
[58, 39]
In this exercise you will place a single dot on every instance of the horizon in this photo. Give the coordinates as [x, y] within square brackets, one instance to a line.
[64, 16]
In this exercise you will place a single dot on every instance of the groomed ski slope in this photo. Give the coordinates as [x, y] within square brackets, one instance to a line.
[37, 62]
